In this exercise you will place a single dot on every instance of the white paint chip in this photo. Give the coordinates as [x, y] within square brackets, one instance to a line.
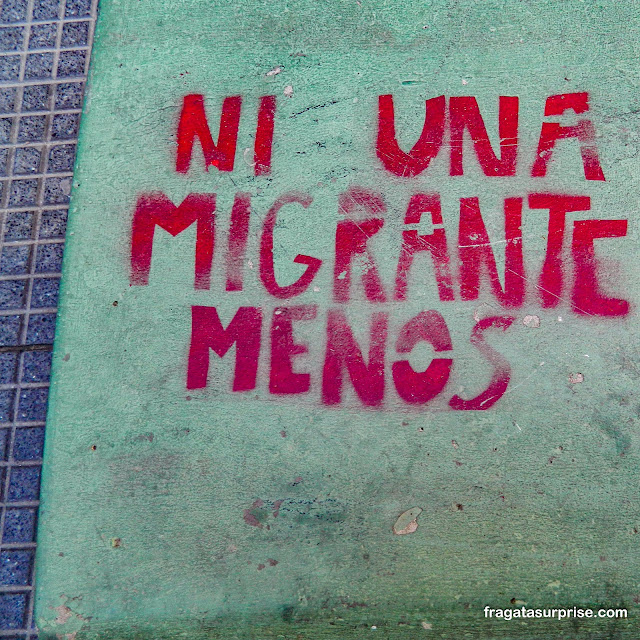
[407, 522]
[576, 378]
[274, 72]
[64, 613]
[288, 91]
[533, 322]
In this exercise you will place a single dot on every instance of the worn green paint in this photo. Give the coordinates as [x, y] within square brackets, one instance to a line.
[144, 537]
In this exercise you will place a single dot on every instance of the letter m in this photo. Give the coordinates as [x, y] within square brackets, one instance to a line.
[207, 333]
[155, 209]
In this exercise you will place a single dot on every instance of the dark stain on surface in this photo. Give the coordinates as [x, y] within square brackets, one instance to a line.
[249, 515]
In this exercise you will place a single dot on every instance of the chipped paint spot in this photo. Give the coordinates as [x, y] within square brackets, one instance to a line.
[455, 444]
[576, 378]
[288, 91]
[533, 322]
[483, 311]
[427, 625]
[407, 522]
[274, 72]
[116, 542]
[64, 613]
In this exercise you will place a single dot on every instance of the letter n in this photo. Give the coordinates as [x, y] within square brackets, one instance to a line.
[343, 352]
[193, 124]
[465, 114]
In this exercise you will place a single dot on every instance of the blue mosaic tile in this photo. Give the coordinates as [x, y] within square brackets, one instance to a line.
[44, 293]
[41, 329]
[15, 566]
[28, 443]
[36, 97]
[12, 610]
[10, 330]
[12, 294]
[46, 9]
[6, 404]
[4, 158]
[38, 65]
[9, 68]
[57, 190]
[36, 366]
[65, 126]
[43, 36]
[75, 34]
[33, 404]
[71, 63]
[18, 225]
[24, 484]
[19, 525]
[53, 224]
[26, 161]
[5, 130]
[5, 435]
[13, 11]
[15, 260]
[61, 158]
[11, 38]
[77, 8]
[7, 99]
[49, 258]
[8, 367]
[69, 95]
[31, 129]
[23, 193]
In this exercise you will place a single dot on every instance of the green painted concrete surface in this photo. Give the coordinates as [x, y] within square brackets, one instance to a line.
[172, 512]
